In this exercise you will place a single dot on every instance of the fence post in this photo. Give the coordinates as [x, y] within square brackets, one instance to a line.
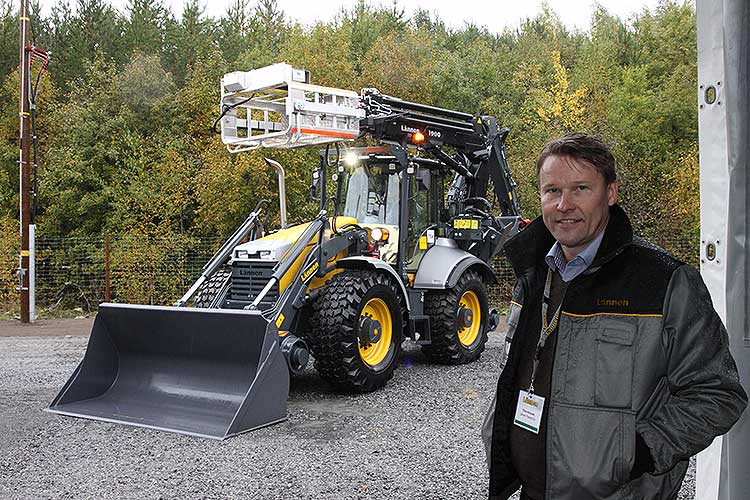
[107, 294]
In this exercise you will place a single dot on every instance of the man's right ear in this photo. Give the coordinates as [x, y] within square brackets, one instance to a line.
[613, 191]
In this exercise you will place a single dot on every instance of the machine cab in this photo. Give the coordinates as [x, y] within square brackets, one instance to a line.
[368, 189]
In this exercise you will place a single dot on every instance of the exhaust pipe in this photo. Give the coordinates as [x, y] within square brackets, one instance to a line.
[282, 190]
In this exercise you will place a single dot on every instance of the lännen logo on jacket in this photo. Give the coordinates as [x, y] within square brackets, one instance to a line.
[613, 302]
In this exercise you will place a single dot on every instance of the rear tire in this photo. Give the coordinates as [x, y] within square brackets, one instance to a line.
[453, 341]
[352, 303]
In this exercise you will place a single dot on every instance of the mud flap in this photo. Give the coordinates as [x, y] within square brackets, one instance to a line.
[204, 372]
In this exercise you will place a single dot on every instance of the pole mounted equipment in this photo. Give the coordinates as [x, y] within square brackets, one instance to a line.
[27, 156]
[24, 157]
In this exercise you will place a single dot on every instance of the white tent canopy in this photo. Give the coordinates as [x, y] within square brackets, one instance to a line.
[724, 134]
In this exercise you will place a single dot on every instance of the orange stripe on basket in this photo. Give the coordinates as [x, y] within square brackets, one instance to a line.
[323, 132]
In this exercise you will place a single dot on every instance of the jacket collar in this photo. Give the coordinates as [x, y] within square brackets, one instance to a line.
[528, 248]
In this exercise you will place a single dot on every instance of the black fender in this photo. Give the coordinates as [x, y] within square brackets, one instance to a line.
[476, 264]
[363, 262]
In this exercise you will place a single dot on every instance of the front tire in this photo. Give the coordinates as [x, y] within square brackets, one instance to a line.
[458, 321]
[357, 330]
[207, 294]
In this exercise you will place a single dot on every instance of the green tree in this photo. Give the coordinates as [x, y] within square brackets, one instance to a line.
[366, 25]
[9, 37]
[75, 39]
[424, 20]
[147, 25]
[610, 48]
[473, 78]
[187, 40]
[402, 65]
[102, 138]
[266, 34]
[323, 51]
[270, 24]
[251, 37]
[232, 30]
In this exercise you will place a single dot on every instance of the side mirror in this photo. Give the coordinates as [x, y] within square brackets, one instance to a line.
[315, 185]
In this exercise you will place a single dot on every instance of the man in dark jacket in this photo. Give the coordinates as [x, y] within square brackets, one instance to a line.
[619, 368]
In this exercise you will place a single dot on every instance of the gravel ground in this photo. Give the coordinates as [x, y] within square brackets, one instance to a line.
[418, 438]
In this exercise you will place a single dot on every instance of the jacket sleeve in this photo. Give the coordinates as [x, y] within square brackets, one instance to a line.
[495, 430]
[514, 312]
[706, 397]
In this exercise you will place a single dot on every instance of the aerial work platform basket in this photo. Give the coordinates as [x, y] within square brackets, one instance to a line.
[277, 107]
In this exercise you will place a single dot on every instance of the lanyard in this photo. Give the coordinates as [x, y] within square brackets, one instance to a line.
[547, 327]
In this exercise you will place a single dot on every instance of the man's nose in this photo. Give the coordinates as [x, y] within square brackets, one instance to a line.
[565, 202]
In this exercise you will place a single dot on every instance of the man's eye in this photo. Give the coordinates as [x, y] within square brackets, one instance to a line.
[551, 190]
[583, 188]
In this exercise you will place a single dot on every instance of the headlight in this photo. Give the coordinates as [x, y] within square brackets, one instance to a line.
[379, 234]
[351, 159]
[240, 254]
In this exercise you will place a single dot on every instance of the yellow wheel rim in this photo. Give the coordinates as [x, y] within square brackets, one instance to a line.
[373, 353]
[468, 335]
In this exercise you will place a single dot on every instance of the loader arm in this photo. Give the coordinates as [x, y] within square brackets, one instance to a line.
[319, 262]
[246, 229]
[479, 142]
[285, 264]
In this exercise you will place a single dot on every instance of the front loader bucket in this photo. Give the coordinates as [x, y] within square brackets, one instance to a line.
[205, 372]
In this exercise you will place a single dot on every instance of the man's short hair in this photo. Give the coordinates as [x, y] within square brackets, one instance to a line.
[581, 146]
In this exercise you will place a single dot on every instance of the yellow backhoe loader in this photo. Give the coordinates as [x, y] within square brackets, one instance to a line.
[401, 250]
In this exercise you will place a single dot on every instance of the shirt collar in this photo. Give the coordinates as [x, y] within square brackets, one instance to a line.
[555, 258]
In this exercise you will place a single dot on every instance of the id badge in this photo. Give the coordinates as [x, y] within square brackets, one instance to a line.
[529, 411]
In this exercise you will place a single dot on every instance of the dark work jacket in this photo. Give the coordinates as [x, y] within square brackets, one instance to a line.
[640, 349]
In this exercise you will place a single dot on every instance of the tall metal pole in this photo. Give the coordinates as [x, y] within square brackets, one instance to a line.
[107, 290]
[24, 160]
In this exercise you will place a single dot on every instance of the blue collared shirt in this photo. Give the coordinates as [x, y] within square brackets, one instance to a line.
[568, 270]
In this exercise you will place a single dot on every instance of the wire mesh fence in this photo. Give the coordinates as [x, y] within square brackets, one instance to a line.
[74, 272]
[79, 272]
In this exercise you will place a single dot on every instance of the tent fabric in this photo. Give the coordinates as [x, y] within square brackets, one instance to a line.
[724, 136]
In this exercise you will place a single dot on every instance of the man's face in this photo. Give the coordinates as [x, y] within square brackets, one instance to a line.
[575, 202]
